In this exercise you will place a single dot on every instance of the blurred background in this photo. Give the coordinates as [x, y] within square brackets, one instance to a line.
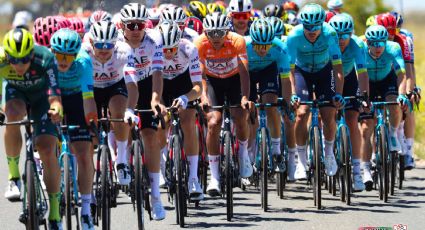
[412, 10]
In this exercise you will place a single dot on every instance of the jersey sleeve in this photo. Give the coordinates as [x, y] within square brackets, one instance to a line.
[334, 50]
[157, 60]
[194, 65]
[405, 48]
[240, 47]
[86, 79]
[292, 49]
[52, 75]
[282, 60]
[198, 43]
[360, 57]
[129, 69]
[398, 61]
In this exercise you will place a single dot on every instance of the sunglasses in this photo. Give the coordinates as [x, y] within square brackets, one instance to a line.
[344, 36]
[241, 16]
[216, 33]
[312, 28]
[67, 57]
[262, 47]
[135, 26]
[170, 50]
[15, 61]
[104, 45]
[377, 44]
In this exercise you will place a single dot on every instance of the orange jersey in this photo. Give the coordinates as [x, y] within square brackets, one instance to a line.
[222, 63]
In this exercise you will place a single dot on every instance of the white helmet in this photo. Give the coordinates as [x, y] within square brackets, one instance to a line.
[240, 6]
[216, 21]
[134, 11]
[170, 33]
[335, 4]
[22, 18]
[105, 32]
[154, 13]
[174, 14]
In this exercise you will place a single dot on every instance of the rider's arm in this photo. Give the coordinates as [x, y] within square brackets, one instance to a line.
[284, 71]
[86, 81]
[131, 79]
[399, 67]
[157, 80]
[243, 67]
[361, 68]
[292, 51]
[195, 75]
[335, 56]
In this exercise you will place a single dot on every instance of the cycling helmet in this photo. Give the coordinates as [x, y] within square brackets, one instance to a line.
[154, 15]
[66, 41]
[99, 15]
[335, 4]
[240, 6]
[312, 14]
[262, 32]
[370, 21]
[116, 19]
[278, 25]
[216, 21]
[342, 23]
[214, 7]
[329, 15]
[291, 6]
[174, 14]
[170, 33]
[376, 33]
[197, 9]
[44, 28]
[292, 18]
[22, 19]
[386, 20]
[18, 43]
[64, 21]
[77, 25]
[273, 10]
[134, 11]
[195, 24]
[398, 17]
[103, 31]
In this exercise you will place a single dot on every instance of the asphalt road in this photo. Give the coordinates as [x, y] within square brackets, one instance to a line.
[295, 211]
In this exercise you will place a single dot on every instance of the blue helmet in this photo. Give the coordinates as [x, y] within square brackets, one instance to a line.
[278, 25]
[376, 33]
[398, 17]
[66, 41]
[312, 14]
[342, 23]
[262, 32]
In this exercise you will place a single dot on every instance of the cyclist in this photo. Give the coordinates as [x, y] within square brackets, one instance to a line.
[145, 90]
[76, 83]
[31, 74]
[195, 24]
[44, 28]
[315, 60]
[274, 10]
[110, 60]
[97, 16]
[268, 67]
[78, 26]
[335, 5]
[22, 19]
[214, 7]
[196, 9]
[154, 15]
[355, 81]
[182, 84]
[225, 70]
[176, 14]
[240, 14]
[289, 6]
[387, 79]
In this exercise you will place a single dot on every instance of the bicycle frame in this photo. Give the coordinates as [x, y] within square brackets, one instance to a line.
[263, 124]
[341, 123]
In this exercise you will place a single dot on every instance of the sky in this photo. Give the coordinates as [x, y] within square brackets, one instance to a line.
[408, 5]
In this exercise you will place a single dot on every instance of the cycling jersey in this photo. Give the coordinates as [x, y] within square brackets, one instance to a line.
[277, 53]
[379, 68]
[232, 28]
[190, 34]
[406, 33]
[405, 47]
[79, 77]
[312, 57]
[354, 53]
[222, 63]
[120, 65]
[187, 58]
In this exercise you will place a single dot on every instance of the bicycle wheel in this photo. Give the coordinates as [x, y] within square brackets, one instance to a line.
[138, 175]
[33, 220]
[202, 162]
[400, 166]
[264, 168]
[105, 186]
[346, 172]
[180, 190]
[393, 171]
[67, 192]
[316, 146]
[385, 164]
[228, 153]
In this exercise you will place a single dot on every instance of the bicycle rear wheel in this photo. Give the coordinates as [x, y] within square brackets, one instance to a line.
[264, 168]
[228, 153]
[33, 219]
[316, 146]
[67, 192]
[106, 188]
[138, 188]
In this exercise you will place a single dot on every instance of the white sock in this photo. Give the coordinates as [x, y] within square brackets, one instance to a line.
[393, 131]
[302, 154]
[193, 167]
[276, 145]
[163, 159]
[291, 154]
[85, 204]
[356, 166]
[409, 146]
[214, 161]
[121, 152]
[329, 147]
[154, 179]
[252, 150]
[365, 164]
[112, 145]
[243, 149]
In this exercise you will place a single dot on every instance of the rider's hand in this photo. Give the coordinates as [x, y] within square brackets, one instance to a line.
[247, 104]
[2, 117]
[162, 108]
[92, 116]
[56, 112]
[204, 101]
[181, 101]
[338, 101]
[295, 101]
[404, 102]
[130, 116]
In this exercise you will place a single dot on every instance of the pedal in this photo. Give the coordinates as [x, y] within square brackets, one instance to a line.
[23, 218]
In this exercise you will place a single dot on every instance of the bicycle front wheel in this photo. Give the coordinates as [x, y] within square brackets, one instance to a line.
[264, 168]
[228, 153]
[67, 191]
[106, 186]
[345, 154]
[316, 146]
[138, 184]
[33, 220]
[383, 150]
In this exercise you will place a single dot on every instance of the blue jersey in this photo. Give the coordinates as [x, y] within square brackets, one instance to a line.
[312, 57]
[79, 77]
[277, 53]
[354, 53]
[391, 58]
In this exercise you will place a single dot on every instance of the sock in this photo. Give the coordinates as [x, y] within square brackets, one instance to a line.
[13, 163]
[243, 149]
[356, 166]
[291, 154]
[193, 167]
[121, 152]
[214, 161]
[302, 154]
[154, 179]
[409, 146]
[276, 146]
[252, 150]
[54, 206]
[329, 147]
[85, 204]
[112, 145]
[365, 165]
[393, 131]
[163, 160]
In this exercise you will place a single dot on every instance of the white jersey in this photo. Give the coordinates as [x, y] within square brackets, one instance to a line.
[190, 34]
[87, 37]
[147, 58]
[119, 66]
[187, 58]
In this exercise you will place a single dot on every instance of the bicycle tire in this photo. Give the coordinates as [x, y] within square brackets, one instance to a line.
[202, 162]
[317, 168]
[68, 198]
[105, 185]
[228, 153]
[400, 172]
[347, 166]
[180, 191]
[33, 220]
[138, 189]
[385, 166]
[264, 168]
[393, 171]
